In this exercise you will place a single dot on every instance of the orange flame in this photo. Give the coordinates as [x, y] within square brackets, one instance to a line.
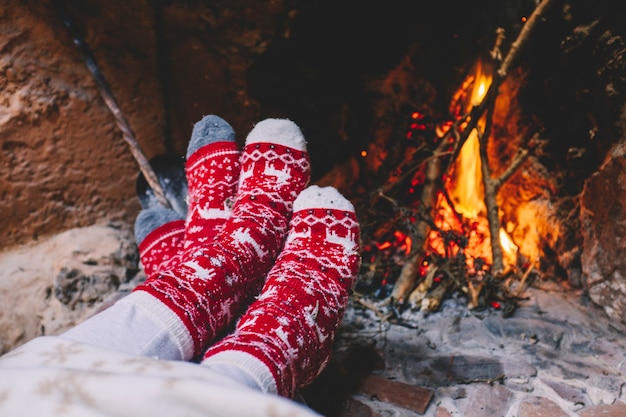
[465, 188]
[508, 247]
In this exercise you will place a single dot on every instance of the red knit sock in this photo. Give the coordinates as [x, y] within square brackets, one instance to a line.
[212, 170]
[161, 249]
[197, 299]
[290, 329]
[212, 174]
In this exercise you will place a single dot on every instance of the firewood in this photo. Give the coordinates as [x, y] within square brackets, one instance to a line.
[407, 280]
[409, 274]
[491, 185]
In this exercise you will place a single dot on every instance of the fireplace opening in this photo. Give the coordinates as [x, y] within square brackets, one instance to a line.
[381, 91]
[369, 90]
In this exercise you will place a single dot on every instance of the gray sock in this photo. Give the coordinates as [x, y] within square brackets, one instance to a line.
[208, 130]
[150, 219]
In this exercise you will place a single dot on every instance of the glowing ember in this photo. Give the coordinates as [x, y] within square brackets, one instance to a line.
[383, 246]
[400, 241]
[405, 240]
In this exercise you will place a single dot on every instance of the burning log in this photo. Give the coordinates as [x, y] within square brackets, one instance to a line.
[407, 287]
[492, 185]
[408, 277]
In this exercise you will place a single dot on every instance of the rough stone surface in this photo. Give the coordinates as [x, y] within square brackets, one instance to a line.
[575, 395]
[540, 407]
[605, 410]
[557, 356]
[485, 400]
[48, 287]
[603, 213]
[396, 393]
[442, 412]
[64, 161]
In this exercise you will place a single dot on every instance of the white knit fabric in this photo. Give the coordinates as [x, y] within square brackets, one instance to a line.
[279, 131]
[51, 376]
[322, 197]
[250, 369]
[126, 327]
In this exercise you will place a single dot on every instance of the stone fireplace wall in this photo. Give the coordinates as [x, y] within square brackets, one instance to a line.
[64, 162]
[344, 71]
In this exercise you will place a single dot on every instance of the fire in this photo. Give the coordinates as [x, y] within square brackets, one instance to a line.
[401, 241]
[466, 191]
[407, 243]
[508, 247]
[384, 245]
[476, 230]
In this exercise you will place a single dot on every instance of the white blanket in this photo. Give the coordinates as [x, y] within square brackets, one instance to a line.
[51, 376]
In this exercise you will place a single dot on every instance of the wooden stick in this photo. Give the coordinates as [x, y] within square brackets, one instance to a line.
[491, 193]
[523, 280]
[518, 160]
[410, 270]
[491, 185]
[523, 36]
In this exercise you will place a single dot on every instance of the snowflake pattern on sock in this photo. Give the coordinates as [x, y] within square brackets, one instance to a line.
[292, 324]
[198, 298]
[212, 175]
[162, 248]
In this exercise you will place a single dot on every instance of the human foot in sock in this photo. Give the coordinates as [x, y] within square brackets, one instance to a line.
[284, 339]
[198, 298]
[212, 172]
[159, 233]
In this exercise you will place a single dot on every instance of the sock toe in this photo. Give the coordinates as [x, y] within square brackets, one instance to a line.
[322, 197]
[279, 131]
[208, 130]
[150, 219]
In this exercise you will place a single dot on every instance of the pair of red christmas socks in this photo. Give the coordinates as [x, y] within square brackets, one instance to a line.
[202, 276]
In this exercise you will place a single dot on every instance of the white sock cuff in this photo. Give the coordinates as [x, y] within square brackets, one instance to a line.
[166, 317]
[279, 131]
[321, 197]
[250, 365]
